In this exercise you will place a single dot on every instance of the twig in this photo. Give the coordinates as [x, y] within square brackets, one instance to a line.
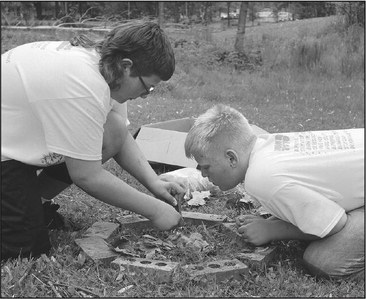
[38, 279]
[6, 19]
[26, 273]
[76, 287]
[206, 231]
[85, 13]
[54, 289]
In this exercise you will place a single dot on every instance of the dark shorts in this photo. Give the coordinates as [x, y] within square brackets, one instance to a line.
[23, 229]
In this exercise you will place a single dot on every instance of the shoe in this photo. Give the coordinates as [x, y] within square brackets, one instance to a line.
[53, 220]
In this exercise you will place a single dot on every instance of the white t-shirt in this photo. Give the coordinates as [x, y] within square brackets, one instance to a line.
[54, 103]
[308, 178]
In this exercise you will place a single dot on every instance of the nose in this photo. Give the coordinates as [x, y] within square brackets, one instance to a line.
[204, 173]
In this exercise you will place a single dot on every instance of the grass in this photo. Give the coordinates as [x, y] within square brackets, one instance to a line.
[288, 92]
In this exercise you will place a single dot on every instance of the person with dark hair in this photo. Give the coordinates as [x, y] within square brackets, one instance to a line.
[60, 123]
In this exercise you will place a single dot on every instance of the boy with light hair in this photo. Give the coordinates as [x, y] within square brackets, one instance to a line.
[311, 182]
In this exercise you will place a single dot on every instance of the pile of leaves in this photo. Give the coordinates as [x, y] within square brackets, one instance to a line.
[239, 60]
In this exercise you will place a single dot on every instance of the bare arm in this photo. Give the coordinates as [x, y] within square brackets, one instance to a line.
[99, 183]
[133, 161]
[260, 231]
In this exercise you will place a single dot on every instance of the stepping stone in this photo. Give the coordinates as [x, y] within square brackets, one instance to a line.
[159, 271]
[256, 257]
[97, 249]
[260, 257]
[104, 230]
[220, 270]
[196, 218]
[134, 221]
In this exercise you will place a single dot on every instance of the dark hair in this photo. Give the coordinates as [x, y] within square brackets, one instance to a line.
[144, 43]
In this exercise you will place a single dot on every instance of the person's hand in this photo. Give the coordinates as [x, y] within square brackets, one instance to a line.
[254, 229]
[166, 190]
[166, 218]
[183, 182]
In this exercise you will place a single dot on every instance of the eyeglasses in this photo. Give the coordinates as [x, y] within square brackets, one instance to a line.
[148, 90]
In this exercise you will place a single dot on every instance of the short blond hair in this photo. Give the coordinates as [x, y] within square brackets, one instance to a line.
[218, 121]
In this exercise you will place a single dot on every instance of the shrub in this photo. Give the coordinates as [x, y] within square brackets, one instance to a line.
[330, 52]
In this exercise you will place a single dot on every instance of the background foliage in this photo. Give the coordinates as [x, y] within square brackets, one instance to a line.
[30, 12]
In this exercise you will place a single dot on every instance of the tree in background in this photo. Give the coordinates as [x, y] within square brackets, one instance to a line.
[353, 12]
[239, 40]
[174, 11]
[252, 12]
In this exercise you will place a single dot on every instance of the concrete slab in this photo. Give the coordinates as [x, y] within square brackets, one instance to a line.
[159, 271]
[104, 230]
[97, 249]
[253, 256]
[220, 270]
[260, 257]
[196, 218]
[134, 221]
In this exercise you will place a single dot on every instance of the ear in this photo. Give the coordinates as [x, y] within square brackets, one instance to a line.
[127, 63]
[232, 157]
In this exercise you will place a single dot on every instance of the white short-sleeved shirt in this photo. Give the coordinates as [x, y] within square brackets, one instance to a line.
[309, 179]
[54, 103]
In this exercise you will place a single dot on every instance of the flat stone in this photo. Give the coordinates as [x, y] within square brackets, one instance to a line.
[157, 270]
[220, 270]
[135, 221]
[104, 230]
[252, 255]
[259, 258]
[96, 248]
[196, 218]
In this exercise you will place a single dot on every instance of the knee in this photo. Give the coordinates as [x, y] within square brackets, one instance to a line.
[317, 263]
[115, 131]
[341, 254]
[332, 262]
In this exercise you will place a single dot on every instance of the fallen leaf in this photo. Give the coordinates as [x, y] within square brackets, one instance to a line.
[121, 273]
[125, 251]
[124, 289]
[150, 237]
[198, 198]
[10, 278]
[81, 258]
[152, 253]
[194, 242]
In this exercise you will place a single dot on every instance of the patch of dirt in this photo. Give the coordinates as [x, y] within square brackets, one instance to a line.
[188, 244]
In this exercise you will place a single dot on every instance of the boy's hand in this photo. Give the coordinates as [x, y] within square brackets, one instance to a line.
[167, 218]
[254, 229]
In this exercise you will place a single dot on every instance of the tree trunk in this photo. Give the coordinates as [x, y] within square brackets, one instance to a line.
[161, 14]
[228, 14]
[176, 13]
[80, 8]
[57, 9]
[239, 40]
[38, 6]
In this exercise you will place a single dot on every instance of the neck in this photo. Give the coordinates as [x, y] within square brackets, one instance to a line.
[246, 156]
